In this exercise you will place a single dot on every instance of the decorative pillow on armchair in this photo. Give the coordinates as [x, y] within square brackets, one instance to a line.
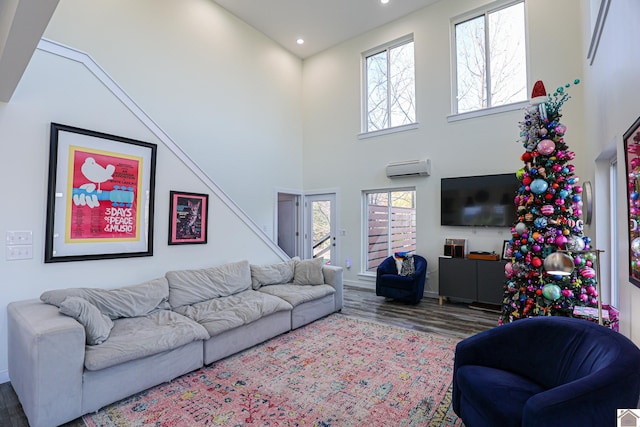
[405, 263]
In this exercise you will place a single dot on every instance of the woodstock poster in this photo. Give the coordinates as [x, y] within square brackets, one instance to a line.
[105, 188]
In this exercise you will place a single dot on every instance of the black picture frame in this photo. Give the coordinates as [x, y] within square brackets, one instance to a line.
[505, 247]
[100, 196]
[631, 140]
[188, 218]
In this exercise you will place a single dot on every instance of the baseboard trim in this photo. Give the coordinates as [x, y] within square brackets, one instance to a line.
[4, 377]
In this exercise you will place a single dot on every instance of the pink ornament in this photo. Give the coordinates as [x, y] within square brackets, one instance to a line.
[588, 273]
[560, 129]
[556, 167]
[547, 210]
[546, 147]
[578, 189]
[561, 240]
[583, 297]
[567, 293]
[559, 202]
[508, 270]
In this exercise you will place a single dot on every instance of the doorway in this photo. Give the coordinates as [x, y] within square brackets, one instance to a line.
[288, 225]
[320, 227]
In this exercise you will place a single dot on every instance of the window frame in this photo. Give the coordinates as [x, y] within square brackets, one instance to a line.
[364, 132]
[364, 252]
[490, 109]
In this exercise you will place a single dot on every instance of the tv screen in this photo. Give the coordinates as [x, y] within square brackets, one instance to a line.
[479, 201]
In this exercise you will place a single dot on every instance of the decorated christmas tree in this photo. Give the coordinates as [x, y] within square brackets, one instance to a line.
[549, 206]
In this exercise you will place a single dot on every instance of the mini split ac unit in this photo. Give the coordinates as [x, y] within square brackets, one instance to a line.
[409, 168]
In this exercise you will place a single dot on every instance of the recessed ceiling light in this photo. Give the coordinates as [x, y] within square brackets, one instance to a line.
[300, 41]
[384, 1]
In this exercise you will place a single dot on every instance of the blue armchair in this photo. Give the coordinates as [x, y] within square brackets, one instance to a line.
[406, 288]
[545, 372]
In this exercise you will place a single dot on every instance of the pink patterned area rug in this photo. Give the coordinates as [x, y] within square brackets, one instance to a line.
[337, 371]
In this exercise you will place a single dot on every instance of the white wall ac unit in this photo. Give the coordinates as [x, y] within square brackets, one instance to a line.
[409, 168]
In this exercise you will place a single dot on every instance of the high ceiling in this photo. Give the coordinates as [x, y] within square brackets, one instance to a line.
[322, 24]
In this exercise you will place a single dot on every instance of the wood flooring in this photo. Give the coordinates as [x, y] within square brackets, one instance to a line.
[451, 319]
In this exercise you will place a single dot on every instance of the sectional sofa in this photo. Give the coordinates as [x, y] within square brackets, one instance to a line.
[76, 350]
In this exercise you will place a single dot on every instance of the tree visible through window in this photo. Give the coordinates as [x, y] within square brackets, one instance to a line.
[498, 35]
[390, 87]
[391, 225]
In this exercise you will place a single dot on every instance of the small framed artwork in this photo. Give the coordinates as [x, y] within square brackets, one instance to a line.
[631, 141]
[188, 214]
[505, 250]
[99, 197]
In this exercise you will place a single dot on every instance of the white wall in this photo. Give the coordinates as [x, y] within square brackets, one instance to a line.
[229, 95]
[335, 157]
[611, 103]
[221, 90]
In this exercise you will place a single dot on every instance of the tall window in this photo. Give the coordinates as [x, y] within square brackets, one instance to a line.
[390, 218]
[390, 86]
[491, 59]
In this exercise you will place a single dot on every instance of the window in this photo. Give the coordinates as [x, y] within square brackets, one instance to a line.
[499, 35]
[390, 223]
[390, 86]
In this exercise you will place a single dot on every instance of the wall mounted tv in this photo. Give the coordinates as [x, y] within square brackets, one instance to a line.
[479, 201]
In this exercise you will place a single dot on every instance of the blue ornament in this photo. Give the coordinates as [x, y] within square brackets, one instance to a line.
[540, 222]
[565, 170]
[563, 194]
[538, 186]
[551, 291]
[635, 195]
[576, 198]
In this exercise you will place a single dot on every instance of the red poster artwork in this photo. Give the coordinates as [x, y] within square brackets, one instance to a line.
[105, 196]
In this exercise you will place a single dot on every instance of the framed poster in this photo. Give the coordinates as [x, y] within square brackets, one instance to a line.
[100, 196]
[188, 213]
[631, 140]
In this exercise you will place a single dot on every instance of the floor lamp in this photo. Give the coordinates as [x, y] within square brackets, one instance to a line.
[560, 263]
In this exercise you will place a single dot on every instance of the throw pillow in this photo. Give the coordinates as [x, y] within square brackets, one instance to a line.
[408, 266]
[309, 272]
[274, 274]
[97, 326]
[128, 301]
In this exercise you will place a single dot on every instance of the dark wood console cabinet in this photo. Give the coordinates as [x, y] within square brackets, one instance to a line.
[471, 279]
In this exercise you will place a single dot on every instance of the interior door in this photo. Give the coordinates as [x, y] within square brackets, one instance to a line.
[320, 227]
[288, 221]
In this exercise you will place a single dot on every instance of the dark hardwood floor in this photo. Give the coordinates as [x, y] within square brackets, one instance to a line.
[451, 319]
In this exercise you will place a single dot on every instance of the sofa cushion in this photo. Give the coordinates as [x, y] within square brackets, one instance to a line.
[193, 286]
[309, 272]
[97, 326]
[137, 337]
[128, 301]
[226, 313]
[273, 274]
[298, 294]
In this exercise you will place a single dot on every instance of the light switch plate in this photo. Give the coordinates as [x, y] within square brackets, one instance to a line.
[19, 238]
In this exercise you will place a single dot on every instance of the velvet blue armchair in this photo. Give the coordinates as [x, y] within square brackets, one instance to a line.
[545, 372]
[406, 288]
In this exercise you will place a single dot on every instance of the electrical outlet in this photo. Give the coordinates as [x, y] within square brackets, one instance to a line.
[15, 252]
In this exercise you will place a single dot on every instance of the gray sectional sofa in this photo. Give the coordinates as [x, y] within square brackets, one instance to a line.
[76, 350]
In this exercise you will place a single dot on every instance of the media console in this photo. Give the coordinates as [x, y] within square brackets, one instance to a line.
[471, 279]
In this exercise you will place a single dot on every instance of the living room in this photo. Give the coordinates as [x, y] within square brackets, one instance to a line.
[238, 117]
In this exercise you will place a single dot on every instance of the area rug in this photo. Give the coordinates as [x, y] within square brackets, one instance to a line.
[337, 371]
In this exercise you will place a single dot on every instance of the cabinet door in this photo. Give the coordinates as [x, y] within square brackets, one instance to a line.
[457, 278]
[491, 281]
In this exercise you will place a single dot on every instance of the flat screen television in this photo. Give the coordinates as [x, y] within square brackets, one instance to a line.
[479, 201]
